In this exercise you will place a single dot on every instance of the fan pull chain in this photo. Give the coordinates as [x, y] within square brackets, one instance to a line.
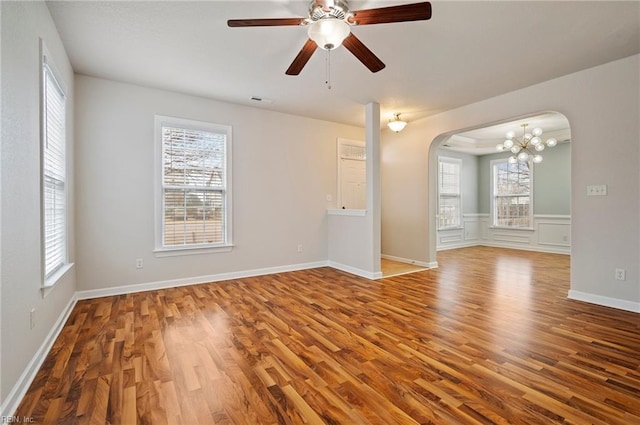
[328, 69]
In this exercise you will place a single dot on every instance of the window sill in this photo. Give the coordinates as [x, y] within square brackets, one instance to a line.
[526, 229]
[355, 213]
[53, 280]
[442, 229]
[191, 250]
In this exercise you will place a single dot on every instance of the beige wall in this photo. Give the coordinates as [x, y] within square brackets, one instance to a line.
[23, 24]
[354, 241]
[284, 167]
[601, 105]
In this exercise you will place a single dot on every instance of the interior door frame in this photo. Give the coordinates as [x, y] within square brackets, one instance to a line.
[339, 143]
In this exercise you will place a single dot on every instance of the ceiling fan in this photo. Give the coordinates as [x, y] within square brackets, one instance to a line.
[329, 25]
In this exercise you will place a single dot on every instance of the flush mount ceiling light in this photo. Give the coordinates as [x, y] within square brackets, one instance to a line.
[527, 147]
[396, 124]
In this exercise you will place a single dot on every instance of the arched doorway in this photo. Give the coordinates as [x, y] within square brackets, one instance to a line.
[485, 200]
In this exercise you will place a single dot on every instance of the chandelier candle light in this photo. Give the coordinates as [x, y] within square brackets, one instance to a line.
[527, 147]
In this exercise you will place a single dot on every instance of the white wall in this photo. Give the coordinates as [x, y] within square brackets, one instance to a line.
[23, 24]
[354, 235]
[601, 105]
[284, 166]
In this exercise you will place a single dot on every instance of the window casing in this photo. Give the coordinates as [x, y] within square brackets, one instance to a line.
[54, 174]
[449, 199]
[194, 176]
[511, 194]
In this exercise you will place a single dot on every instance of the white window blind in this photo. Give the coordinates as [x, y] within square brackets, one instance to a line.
[194, 186]
[54, 174]
[512, 188]
[449, 203]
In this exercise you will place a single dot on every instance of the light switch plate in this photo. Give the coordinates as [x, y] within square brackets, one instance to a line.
[597, 190]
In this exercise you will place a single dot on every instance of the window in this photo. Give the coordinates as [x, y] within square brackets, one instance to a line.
[511, 194]
[54, 196]
[449, 205]
[195, 182]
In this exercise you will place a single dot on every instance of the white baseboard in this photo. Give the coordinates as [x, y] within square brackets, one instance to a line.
[16, 394]
[548, 250]
[356, 271]
[13, 399]
[164, 284]
[457, 245]
[604, 301]
[405, 260]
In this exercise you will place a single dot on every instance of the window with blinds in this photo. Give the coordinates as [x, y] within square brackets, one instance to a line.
[511, 198]
[195, 184]
[449, 203]
[53, 174]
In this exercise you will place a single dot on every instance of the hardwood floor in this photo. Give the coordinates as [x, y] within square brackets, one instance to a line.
[487, 338]
[395, 268]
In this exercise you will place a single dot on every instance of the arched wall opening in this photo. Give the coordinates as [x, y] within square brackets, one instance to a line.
[601, 104]
[549, 230]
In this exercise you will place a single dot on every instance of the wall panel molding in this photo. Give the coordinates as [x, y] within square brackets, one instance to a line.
[549, 233]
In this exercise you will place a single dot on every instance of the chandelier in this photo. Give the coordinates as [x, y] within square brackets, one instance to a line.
[525, 148]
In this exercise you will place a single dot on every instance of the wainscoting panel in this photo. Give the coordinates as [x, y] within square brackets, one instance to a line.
[471, 229]
[554, 232]
[451, 236]
[509, 236]
[549, 233]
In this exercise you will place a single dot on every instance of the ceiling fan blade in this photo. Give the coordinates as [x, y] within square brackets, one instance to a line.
[267, 22]
[302, 58]
[362, 52]
[385, 15]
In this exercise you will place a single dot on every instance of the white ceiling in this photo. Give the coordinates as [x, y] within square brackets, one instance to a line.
[467, 52]
[483, 141]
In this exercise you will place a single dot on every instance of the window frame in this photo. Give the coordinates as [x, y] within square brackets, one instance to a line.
[49, 74]
[494, 206]
[162, 250]
[457, 161]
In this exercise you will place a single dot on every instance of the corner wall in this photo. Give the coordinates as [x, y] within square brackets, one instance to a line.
[354, 235]
[601, 105]
[284, 167]
[23, 24]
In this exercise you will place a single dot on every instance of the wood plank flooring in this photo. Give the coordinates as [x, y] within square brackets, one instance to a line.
[487, 338]
[391, 268]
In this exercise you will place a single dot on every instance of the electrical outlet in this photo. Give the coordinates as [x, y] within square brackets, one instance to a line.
[32, 318]
[139, 263]
[299, 248]
[621, 274]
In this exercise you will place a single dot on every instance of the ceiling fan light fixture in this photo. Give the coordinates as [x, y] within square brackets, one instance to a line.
[329, 33]
[396, 124]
